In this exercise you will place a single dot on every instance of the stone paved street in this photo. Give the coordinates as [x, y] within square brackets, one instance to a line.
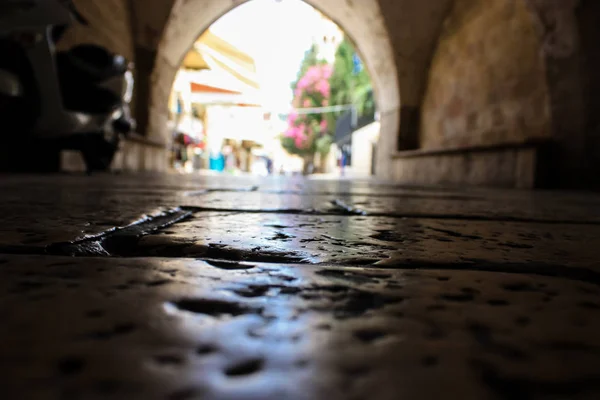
[179, 287]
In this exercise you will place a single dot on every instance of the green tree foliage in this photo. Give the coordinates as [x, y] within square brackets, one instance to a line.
[349, 86]
[319, 84]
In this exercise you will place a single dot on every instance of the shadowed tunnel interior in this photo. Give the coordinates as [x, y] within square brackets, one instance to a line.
[469, 92]
[466, 267]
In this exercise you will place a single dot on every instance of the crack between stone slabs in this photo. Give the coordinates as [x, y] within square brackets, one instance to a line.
[377, 195]
[578, 274]
[293, 211]
[346, 209]
[93, 245]
[129, 235]
[453, 217]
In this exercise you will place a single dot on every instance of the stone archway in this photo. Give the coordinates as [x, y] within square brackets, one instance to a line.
[362, 21]
[400, 44]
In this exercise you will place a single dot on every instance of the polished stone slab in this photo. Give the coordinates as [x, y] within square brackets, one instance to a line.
[40, 210]
[363, 240]
[189, 287]
[189, 329]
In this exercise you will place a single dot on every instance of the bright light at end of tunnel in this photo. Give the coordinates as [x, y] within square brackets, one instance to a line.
[276, 34]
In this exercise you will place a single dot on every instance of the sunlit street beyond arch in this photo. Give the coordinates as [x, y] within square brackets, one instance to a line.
[273, 88]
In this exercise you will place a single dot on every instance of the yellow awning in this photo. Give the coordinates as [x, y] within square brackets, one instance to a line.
[228, 50]
[194, 60]
[218, 54]
[228, 71]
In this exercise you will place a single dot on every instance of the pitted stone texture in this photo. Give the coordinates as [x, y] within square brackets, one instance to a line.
[37, 211]
[555, 19]
[487, 205]
[360, 240]
[184, 329]
[487, 81]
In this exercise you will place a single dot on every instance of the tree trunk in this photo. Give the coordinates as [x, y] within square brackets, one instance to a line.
[321, 166]
[309, 160]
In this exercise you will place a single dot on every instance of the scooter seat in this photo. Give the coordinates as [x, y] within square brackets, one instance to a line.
[90, 63]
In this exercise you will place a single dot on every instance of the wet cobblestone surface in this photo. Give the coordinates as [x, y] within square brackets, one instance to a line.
[171, 287]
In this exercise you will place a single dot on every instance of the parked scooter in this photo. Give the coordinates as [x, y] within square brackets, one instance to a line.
[76, 99]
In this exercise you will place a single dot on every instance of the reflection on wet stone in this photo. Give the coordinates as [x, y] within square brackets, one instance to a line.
[271, 291]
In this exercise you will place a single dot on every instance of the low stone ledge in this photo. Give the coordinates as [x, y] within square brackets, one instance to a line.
[141, 139]
[506, 165]
[136, 153]
[528, 144]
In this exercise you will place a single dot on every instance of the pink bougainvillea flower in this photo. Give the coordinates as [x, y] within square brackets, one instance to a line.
[303, 83]
[313, 89]
[327, 71]
[300, 141]
[323, 87]
[290, 132]
[313, 73]
[292, 117]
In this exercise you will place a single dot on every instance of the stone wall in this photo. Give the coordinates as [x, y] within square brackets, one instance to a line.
[589, 23]
[502, 167]
[487, 81]
[588, 15]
